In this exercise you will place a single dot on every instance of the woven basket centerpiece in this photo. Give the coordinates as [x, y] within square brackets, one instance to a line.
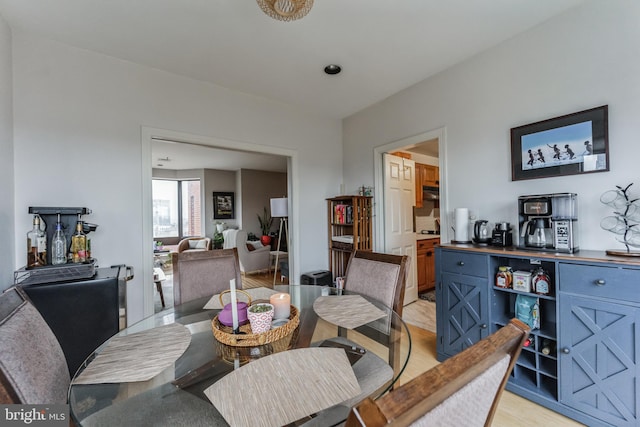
[246, 338]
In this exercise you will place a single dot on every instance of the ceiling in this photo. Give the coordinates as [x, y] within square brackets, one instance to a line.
[383, 46]
[180, 156]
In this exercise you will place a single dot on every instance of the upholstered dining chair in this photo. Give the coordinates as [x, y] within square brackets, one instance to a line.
[464, 390]
[378, 275]
[33, 369]
[203, 273]
[382, 277]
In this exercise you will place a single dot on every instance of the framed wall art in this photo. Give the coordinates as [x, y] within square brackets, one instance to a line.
[223, 205]
[567, 145]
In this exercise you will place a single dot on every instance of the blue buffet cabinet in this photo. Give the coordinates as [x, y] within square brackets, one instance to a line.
[584, 361]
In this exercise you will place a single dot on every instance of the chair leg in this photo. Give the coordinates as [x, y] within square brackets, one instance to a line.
[159, 289]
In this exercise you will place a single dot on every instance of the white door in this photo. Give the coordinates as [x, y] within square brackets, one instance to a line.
[399, 199]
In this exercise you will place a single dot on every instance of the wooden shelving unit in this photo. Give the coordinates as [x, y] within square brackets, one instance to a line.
[349, 230]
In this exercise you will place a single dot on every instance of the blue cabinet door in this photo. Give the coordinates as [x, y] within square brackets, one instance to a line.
[599, 352]
[463, 319]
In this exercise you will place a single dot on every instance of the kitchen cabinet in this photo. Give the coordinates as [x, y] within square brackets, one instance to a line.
[462, 307]
[431, 176]
[425, 175]
[583, 361]
[599, 369]
[426, 264]
[349, 230]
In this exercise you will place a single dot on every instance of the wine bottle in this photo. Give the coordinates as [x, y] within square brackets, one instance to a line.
[79, 244]
[36, 245]
[548, 347]
[59, 245]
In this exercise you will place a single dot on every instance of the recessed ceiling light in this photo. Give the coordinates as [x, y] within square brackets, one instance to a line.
[332, 69]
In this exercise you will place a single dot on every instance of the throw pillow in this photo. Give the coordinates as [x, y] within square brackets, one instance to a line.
[201, 244]
[250, 247]
[256, 244]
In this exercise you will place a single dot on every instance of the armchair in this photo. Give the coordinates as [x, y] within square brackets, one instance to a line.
[250, 261]
[192, 244]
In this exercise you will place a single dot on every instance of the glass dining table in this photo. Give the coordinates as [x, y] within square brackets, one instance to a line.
[373, 337]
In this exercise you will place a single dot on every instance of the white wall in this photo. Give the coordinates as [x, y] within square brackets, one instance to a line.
[587, 57]
[7, 232]
[82, 114]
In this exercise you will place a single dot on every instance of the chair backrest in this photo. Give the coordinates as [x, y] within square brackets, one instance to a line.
[463, 390]
[33, 369]
[379, 276]
[203, 273]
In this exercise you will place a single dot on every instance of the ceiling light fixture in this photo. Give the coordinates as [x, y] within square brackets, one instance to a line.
[332, 69]
[285, 10]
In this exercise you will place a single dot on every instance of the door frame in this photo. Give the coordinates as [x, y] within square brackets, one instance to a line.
[378, 177]
[293, 187]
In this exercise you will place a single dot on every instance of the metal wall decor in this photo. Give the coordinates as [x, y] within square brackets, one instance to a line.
[624, 222]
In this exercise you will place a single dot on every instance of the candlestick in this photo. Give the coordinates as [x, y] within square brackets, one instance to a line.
[281, 305]
[234, 305]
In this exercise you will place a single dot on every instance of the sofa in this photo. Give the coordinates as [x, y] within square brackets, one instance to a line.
[256, 258]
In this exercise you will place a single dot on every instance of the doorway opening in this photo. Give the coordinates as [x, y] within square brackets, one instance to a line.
[215, 155]
[431, 142]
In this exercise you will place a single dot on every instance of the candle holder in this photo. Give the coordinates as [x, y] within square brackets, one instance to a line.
[624, 222]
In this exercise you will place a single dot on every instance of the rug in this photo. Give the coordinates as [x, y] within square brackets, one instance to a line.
[428, 296]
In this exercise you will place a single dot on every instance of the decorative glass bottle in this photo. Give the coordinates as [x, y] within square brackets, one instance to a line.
[59, 245]
[79, 244]
[36, 245]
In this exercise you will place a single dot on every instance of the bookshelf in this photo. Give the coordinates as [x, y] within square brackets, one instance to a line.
[349, 229]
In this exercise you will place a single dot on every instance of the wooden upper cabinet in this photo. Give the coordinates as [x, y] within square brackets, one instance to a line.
[425, 175]
[431, 176]
[419, 172]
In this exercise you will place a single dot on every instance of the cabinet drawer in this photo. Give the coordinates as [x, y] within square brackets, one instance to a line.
[606, 282]
[465, 263]
[425, 244]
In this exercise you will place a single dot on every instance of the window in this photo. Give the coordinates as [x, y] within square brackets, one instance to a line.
[176, 209]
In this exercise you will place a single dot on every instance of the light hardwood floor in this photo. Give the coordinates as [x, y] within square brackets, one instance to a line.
[513, 410]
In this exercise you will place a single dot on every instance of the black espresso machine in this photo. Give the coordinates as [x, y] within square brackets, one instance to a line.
[548, 222]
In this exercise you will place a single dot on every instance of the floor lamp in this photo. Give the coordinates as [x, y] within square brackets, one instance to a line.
[280, 209]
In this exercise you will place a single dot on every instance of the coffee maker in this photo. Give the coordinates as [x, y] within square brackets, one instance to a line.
[548, 222]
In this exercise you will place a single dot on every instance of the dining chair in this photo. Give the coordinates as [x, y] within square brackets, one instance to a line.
[463, 390]
[378, 275]
[204, 273]
[33, 369]
[382, 277]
